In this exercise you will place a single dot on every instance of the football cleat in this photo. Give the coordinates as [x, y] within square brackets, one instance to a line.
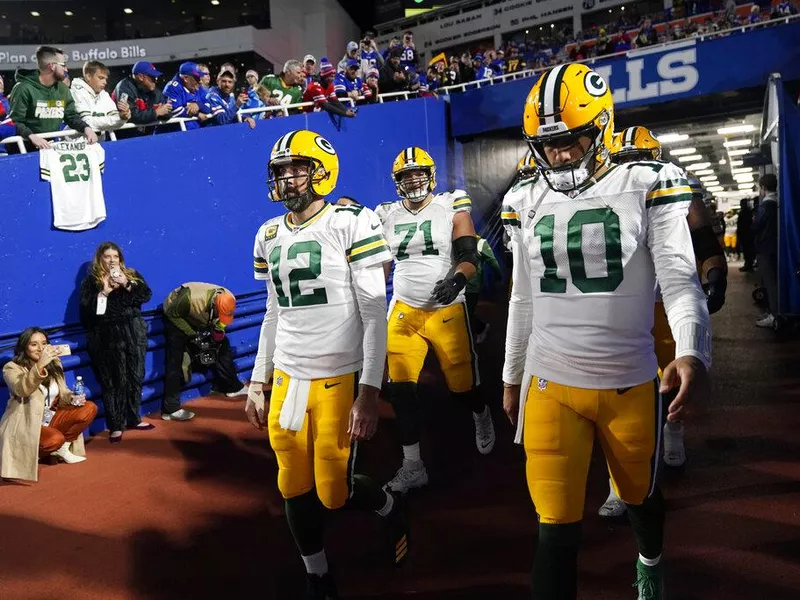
[649, 581]
[484, 431]
[613, 507]
[674, 452]
[320, 587]
[410, 476]
[397, 527]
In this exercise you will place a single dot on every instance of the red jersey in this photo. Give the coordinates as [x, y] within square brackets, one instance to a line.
[316, 93]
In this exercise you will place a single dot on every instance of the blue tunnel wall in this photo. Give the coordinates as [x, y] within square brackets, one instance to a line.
[185, 207]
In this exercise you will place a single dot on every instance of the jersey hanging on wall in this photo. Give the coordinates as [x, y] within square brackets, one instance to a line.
[74, 169]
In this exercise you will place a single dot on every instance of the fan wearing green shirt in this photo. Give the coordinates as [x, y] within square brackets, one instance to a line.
[284, 88]
[473, 290]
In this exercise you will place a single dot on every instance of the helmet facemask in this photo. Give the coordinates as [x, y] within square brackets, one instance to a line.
[414, 183]
[295, 190]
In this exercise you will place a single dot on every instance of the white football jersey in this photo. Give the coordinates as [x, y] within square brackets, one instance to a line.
[74, 169]
[592, 275]
[319, 332]
[422, 245]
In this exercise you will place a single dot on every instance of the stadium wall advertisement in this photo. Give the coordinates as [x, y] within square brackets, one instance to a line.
[652, 75]
[186, 207]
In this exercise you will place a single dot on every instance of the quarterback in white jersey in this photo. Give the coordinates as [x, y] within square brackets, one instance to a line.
[435, 252]
[323, 340]
[589, 240]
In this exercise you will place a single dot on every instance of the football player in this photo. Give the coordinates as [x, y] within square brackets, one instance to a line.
[435, 252]
[324, 341]
[590, 239]
[637, 144]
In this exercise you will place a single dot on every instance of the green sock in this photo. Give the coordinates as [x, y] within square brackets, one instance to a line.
[555, 567]
[306, 517]
[647, 520]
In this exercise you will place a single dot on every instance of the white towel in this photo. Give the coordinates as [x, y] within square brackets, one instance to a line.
[523, 396]
[293, 411]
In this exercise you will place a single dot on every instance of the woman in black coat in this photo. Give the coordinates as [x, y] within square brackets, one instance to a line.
[111, 299]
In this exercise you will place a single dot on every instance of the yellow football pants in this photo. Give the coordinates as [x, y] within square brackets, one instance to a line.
[321, 453]
[560, 423]
[730, 240]
[662, 337]
[446, 330]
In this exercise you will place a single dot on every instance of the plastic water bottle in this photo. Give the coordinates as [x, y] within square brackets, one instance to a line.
[79, 389]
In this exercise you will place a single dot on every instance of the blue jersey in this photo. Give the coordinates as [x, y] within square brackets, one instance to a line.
[180, 97]
[409, 57]
[343, 86]
[484, 72]
[222, 108]
[371, 59]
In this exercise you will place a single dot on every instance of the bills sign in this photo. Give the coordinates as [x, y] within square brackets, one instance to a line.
[641, 77]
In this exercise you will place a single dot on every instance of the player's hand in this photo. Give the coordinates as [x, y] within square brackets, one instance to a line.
[511, 402]
[254, 408]
[364, 414]
[447, 289]
[717, 283]
[689, 375]
[349, 113]
[39, 142]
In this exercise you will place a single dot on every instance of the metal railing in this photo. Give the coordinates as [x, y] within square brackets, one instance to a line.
[285, 108]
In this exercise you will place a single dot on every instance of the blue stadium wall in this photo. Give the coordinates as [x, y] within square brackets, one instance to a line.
[186, 207]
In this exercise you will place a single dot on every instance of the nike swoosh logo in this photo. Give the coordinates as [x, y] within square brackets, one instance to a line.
[447, 320]
[375, 226]
[329, 386]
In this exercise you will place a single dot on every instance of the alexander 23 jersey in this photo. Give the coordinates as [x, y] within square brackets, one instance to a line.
[592, 275]
[319, 332]
[422, 245]
[74, 169]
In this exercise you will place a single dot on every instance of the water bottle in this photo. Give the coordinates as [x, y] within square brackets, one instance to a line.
[79, 389]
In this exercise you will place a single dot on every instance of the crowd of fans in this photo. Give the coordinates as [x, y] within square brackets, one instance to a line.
[38, 104]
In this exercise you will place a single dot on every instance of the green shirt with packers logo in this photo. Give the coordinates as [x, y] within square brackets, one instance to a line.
[278, 89]
[38, 108]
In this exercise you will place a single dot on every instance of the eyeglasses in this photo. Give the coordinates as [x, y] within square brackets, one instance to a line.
[60, 64]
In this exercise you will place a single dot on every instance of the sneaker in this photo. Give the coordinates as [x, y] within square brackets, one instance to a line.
[408, 477]
[68, 457]
[649, 581]
[484, 431]
[241, 392]
[613, 507]
[179, 415]
[674, 452]
[320, 587]
[481, 337]
[768, 321]
[397, 528]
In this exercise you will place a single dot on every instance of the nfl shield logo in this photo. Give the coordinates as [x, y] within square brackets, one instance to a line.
[542, 384]
[279, 380]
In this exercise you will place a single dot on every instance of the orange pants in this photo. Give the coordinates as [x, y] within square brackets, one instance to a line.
[67, 424]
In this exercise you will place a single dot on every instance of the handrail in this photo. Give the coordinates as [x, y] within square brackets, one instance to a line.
[284, 108]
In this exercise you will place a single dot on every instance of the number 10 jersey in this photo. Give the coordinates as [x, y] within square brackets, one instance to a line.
[308, 270]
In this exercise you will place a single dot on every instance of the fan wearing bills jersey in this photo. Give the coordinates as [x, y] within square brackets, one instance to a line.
[323, 340]
[589, 240]
[435, 251]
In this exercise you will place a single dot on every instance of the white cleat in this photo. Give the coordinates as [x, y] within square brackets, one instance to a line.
[613, 507]
[674, 452]
[68, 457]
[484, 431]
[410, 476]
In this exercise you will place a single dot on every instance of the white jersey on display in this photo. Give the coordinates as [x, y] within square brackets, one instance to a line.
[585, 273]
[309, 273]
[422, 245]
[74, 170]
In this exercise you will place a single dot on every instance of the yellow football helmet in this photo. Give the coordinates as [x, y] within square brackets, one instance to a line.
[526, 167]
[302, 147]
[567, 103]
[414, 159]
[634, 144]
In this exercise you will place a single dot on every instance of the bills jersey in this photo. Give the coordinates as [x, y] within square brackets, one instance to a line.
[74, 169]
[422, 245]
[585, 270]
[308, 268]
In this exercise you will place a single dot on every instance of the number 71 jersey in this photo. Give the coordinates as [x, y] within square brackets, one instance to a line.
[309, 271]
[592, 271]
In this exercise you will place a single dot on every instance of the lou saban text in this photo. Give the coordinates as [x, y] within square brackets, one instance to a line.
[77, 56]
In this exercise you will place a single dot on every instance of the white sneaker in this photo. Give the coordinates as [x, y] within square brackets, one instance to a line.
[410, 476]
[613, 507]
[68, 457]
[179, 415]
[766, 322]
[241, 392]
[674, 453]
[484, 431]
[482, 335]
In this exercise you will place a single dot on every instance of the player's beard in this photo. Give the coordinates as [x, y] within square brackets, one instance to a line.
[299, 203]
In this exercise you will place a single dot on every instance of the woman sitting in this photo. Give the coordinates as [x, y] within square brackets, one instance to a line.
[42, 417]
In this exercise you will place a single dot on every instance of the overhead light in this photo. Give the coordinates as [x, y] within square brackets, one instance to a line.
[215, 2]
[746, 186]
[722, 161]
[697, 166]
[690, 158]
[704, 172]
[552, 25]
[735, 129]
[715, 188]
[682, 151]
[735, 143]
[708, 178]
[736, 163]
[622, 8]
[127, 11]
[35, 13]
[68, 13]
[669, 138]
[743, 177]
[742, 170]
[738, 152]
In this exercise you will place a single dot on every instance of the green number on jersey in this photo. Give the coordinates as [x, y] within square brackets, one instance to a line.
[356, 210]
[309, 273]
[552, 283]
[656, 165]
[410, 229]
[80, 163]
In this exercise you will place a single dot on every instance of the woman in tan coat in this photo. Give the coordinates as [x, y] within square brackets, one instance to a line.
[42, 417]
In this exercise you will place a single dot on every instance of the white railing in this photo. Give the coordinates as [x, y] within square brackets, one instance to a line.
[285, 108]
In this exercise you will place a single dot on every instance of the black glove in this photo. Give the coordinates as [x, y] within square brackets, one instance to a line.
[447, 290]
[715, 289]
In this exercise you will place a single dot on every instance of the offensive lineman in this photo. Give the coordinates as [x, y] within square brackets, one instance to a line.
[590, 238]
[435, 251]
[324, 336]
[637, 144]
